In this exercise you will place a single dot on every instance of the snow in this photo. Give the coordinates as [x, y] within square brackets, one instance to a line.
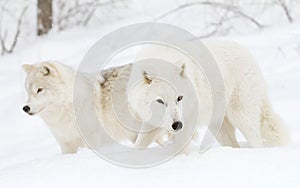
[30, 157]
[224, 167]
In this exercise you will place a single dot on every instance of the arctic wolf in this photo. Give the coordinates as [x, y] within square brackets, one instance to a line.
[50, 95]
[247, 103]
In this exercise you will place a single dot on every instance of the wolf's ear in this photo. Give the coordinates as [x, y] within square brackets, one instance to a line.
[146, 78]
[182, 70]
[27, 68]
[49, 69]
[182, 67]
[46, 70]
[100, 79]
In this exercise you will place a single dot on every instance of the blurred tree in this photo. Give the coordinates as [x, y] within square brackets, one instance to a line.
[44, 16]
[283, 4]
[68, 14]
[5, 46]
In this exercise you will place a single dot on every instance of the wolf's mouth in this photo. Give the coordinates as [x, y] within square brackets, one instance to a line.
[34, 113]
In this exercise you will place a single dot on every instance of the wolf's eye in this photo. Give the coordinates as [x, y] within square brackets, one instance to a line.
[179, 98]
[160, 101]
[39, 90]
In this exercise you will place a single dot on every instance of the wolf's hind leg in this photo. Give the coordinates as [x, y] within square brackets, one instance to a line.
[226, 135]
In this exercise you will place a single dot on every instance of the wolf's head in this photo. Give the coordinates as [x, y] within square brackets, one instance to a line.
[153, 94]
[45, 87]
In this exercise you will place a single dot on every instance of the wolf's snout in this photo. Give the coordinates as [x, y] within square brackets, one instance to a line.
[26, 109]
[177, 125]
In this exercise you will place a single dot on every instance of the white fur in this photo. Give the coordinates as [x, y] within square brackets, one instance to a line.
[247, 104]
[55, 104]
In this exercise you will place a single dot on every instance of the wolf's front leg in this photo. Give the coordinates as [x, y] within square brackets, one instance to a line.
[144, 139]
[67, 148]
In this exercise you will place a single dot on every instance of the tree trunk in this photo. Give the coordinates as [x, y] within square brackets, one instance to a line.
[44, 16]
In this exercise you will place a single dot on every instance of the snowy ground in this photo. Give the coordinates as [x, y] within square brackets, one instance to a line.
[30, 157]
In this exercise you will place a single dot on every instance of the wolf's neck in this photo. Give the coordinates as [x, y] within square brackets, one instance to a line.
[58, 114]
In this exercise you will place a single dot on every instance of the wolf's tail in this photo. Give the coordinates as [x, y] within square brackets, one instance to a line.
[273, 130]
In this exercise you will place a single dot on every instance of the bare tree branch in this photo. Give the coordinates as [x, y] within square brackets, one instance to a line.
[286, 10]
[86, 10]
[227, 7]
[10, 49]
[217, 27]
[3, 47]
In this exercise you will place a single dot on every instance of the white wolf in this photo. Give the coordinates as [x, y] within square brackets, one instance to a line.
[50, 95]
[247, 104]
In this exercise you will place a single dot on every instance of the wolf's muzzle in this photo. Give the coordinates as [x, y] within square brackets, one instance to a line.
[177, 125]
[26, 109]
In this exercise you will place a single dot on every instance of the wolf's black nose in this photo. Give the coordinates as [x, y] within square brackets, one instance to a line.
[177, 125]
[26, 109]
